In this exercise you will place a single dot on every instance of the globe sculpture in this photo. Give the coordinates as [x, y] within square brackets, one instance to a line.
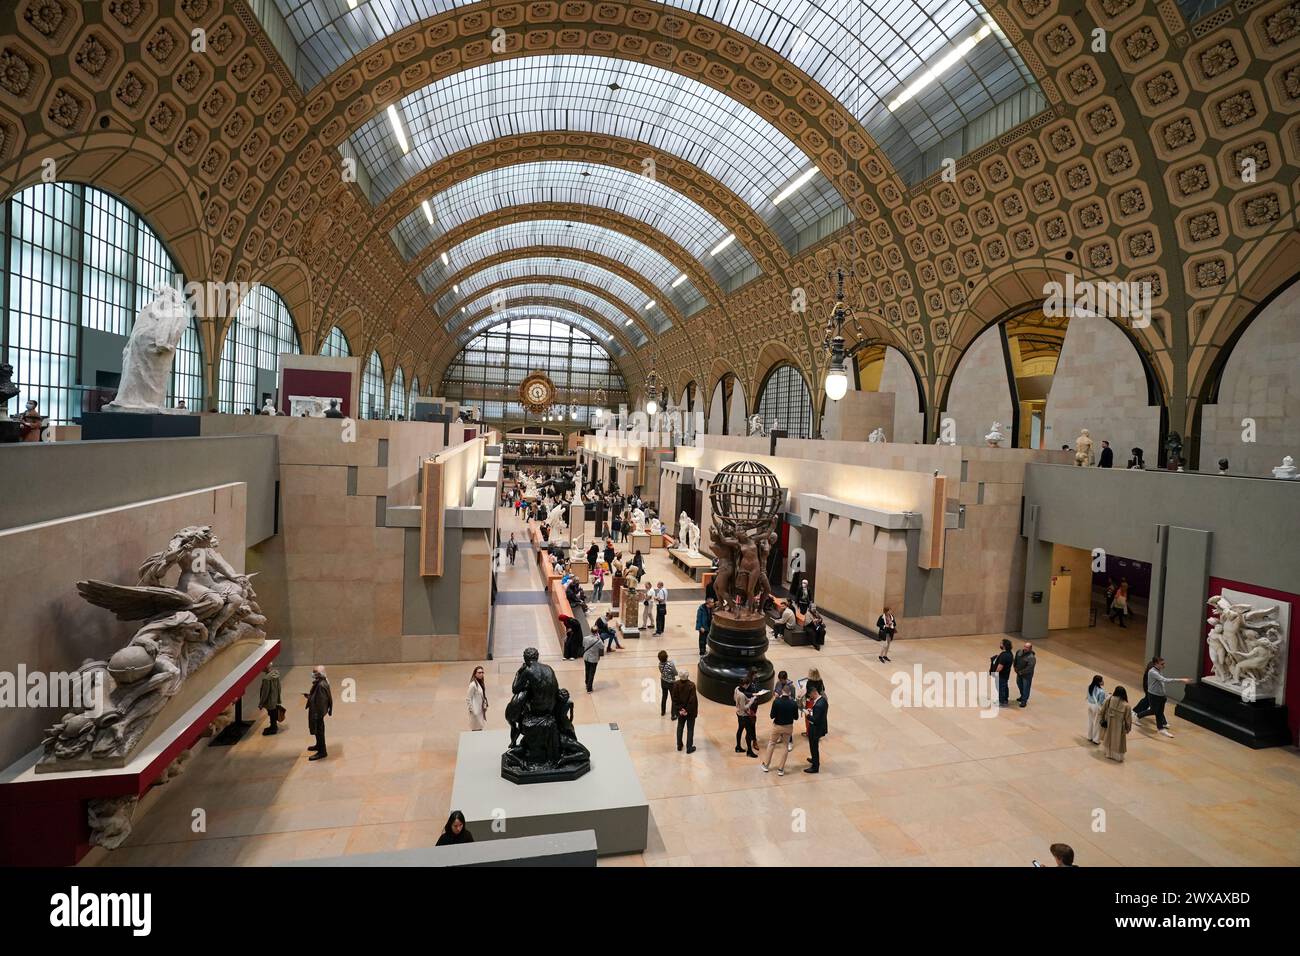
[746, 501]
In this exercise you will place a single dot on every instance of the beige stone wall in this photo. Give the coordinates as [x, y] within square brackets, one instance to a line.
[1100, 385]
[334, 577]
[47, 625]
[857, 415]
[1261, 381]
[980, 393]
[897, 377]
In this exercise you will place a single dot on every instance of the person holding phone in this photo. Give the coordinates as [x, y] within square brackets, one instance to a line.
[886, 627]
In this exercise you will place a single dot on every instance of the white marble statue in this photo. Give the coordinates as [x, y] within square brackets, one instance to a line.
[555, 518]
[656, 526]
[147, 358]
[689, 532]
[1287, 469]
[995, 436]
[638, 521]
[530, 486]
[1083, 449]
[756, 429]
[268, 408]
[877, 437]
[1246, 644]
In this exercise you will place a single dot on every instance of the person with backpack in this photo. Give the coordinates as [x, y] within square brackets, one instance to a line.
[667, 676]
[592, 649]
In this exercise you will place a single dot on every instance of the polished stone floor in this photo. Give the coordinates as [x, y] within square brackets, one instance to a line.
[899, 786]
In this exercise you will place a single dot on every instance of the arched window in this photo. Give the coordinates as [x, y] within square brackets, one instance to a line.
[77, 258]
[784, 399]
[336, 344]
[373, 396]
[490, 368]
[415, 391]
[397, 394]
[250, 359]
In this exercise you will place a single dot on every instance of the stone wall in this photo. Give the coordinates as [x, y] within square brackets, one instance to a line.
[980, 393]
[897, 377]
[1100, 385]
[1261, 381]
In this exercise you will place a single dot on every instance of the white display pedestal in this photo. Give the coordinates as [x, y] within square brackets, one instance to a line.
[608, 799]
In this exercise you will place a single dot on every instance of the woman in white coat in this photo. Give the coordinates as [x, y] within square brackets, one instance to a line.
[476, 701]
[1096, 701]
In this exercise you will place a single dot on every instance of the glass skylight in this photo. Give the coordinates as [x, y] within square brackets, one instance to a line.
[668, 112]
[577, 184]
[539, 319]
[502, 298]
[560, 235]
[863, 52]
[530, 269]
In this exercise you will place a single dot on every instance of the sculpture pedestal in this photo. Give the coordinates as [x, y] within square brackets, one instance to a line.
[11, 431]
[608, 800]
[1257, 725]
[736, 643]
[97, 426]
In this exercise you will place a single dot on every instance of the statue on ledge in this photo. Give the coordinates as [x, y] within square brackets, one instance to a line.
[877, 437]
[543, 744]
[995, 438]
[1246, 647]
[210, 607]
[147, 358]
[1083, 449]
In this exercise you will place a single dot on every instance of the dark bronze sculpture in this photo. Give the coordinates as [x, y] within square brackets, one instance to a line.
[746, 502]
[543, 745]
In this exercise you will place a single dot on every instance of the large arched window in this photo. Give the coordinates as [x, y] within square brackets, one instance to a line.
[336, 344]
[373, 397]
[250, 359]
[78, 265]
[490, 368]
[784, 400]
[410, 400]
[397, 394]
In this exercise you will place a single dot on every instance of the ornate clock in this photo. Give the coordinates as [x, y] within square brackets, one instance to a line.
[537, 392]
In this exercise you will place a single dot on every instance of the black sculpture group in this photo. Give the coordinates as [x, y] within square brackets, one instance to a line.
[543, 744]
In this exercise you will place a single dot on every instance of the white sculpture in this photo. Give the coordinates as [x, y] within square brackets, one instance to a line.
[638, 521]
[995, 436]
[689, 532]
[877, 437]
[1246, 644]
[756, 429]
[1287, 469]
[1083, 449]
[268, 408]
[147, 358]
[555, 518]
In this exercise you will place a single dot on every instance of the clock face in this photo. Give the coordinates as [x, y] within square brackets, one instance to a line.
[537, 392]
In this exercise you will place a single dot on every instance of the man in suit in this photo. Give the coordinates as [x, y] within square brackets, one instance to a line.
[817, 726]
[1107, 459]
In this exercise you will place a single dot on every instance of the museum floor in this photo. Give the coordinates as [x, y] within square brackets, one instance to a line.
[898, 786]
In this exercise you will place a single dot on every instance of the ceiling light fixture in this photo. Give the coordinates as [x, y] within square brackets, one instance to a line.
[650, 305]
[396, 122]
[794, 185]
[445, 260]
[731, 237]
[679, 280]
[943, 66]
[428, 211]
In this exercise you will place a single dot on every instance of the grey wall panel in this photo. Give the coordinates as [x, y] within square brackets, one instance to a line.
[431, 605]
[1255, 522]
[49, 480]
[1182, 621]
[100, 352]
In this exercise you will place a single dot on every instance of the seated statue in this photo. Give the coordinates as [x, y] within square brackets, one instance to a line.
[543, 745]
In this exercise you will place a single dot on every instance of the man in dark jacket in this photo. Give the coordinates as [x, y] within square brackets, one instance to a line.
[686, 704]
[784, 713]
[817, 727]
[268, 699]
[1024, 667]
[703, 621]
[320, 704]
[1107, 459]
